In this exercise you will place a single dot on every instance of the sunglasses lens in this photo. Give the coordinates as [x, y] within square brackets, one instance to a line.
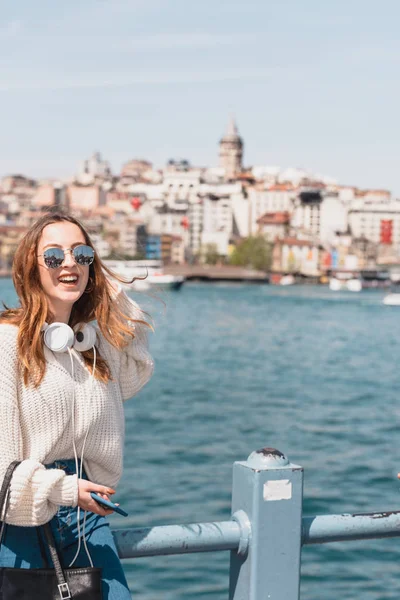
[84, 255]
[53, 257]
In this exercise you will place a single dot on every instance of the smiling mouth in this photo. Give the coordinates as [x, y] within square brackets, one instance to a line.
[69, 279]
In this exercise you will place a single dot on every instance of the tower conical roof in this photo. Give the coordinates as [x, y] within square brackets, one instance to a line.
[232, 132]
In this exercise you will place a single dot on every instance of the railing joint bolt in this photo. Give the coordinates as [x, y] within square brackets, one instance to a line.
[241, 518]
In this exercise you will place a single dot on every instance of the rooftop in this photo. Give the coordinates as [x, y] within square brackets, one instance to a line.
[274, 218]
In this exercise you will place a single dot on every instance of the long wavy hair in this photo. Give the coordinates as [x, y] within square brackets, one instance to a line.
[98, 302]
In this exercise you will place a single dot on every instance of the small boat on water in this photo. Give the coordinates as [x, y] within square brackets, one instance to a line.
[150, 275]
[287, 280]
[351, 284]
[393, 298]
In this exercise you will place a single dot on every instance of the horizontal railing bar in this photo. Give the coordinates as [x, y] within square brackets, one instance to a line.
[177, 539]
[346, 527]
[226, 535]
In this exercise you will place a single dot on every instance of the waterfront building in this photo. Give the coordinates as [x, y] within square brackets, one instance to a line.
[279, 197]
[153, 247]
[85, 197]
[137, 169]
[16, 184]
[177, 186]
[267, 174]
[172, 249]
[373, 197]
[378, 222]
[148, 192]
[225, 211]
[180, 186]
[274, 225]
[121, 235]
[127, 202]
[182, 202]
[213, 175]
[240, 212]
[195, 226]
[307, 207]
[231, 151]
[217, 222]
[169, 221]
[333, 217]
[292, 255]
[10, 236]
[16, 193]
[50, 194]
[103, 248]
[93, 168]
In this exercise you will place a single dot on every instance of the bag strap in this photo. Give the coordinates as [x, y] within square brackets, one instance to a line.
[42, 547]
[5, 487]
[63, 586]
[5, 495]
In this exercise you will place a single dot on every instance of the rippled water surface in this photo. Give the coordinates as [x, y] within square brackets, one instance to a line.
[308, 371]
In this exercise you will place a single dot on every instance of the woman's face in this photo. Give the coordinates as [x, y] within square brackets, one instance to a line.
[63, 286]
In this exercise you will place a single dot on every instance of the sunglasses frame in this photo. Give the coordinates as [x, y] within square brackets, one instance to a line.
[71, 250]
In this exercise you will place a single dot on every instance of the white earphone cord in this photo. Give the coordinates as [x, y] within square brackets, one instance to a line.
[79, 468]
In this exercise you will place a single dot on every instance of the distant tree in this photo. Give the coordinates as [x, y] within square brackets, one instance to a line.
[253, 252]
[210, 254]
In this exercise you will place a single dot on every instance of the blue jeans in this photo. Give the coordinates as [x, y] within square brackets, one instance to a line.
[20, 547]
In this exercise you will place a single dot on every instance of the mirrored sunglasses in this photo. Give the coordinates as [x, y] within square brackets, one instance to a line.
[54, 257]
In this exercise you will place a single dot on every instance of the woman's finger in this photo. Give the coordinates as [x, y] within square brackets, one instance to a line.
[101, 489]
[100, 510]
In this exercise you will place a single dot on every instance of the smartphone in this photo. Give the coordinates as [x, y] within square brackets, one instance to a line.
[108, 504]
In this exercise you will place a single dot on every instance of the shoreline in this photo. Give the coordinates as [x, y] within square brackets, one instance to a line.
[211, 273]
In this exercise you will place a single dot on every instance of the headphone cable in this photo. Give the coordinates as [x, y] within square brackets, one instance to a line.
[79, 468]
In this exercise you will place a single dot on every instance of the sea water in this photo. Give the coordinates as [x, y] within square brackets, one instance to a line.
[311, 372]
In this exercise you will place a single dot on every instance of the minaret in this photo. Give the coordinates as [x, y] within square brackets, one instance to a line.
[231, 151]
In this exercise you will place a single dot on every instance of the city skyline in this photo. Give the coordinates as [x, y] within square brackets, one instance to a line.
[310, 86]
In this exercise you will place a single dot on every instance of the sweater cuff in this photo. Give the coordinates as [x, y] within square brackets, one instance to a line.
[65, 492]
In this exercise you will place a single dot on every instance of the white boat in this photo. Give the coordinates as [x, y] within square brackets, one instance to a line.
[287, 280]
[149, 275]
[158, 280]
[352, 284]
[392, 299]
[335, 284]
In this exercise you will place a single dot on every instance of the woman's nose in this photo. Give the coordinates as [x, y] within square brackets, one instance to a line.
[68, 258]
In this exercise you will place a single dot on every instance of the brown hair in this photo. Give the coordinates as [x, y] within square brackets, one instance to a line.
[98, 303]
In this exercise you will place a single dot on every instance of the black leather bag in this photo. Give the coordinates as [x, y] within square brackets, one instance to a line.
[46, 583]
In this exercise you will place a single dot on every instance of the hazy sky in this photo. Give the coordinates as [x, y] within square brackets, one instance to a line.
[312, 84]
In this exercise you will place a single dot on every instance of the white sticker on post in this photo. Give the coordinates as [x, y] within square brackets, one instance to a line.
[280, 489]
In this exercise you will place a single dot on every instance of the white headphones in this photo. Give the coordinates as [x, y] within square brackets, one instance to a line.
[58, 337]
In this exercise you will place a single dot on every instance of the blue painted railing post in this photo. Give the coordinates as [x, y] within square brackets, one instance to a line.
[268, 489]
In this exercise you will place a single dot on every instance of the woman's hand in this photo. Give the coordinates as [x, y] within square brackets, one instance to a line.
[86, 501]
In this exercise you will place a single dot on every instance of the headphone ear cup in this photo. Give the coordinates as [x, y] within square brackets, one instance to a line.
[85, 337]
[58, 337]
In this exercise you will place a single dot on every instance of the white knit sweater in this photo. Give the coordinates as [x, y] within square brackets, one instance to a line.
[36, 425]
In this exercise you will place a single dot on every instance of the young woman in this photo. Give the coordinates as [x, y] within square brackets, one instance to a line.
[70, 355]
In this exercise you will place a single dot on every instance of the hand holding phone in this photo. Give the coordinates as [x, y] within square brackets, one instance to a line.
[108, 504]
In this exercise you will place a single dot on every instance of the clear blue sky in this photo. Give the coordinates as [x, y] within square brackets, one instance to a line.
[312, 84]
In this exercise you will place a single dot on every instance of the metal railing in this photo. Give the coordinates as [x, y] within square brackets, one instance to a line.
[266, 532]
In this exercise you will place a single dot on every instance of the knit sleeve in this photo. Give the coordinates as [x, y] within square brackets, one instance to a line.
[35, 492]
[136, 365]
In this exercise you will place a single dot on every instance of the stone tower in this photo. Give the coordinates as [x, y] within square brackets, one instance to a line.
[231, 151]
